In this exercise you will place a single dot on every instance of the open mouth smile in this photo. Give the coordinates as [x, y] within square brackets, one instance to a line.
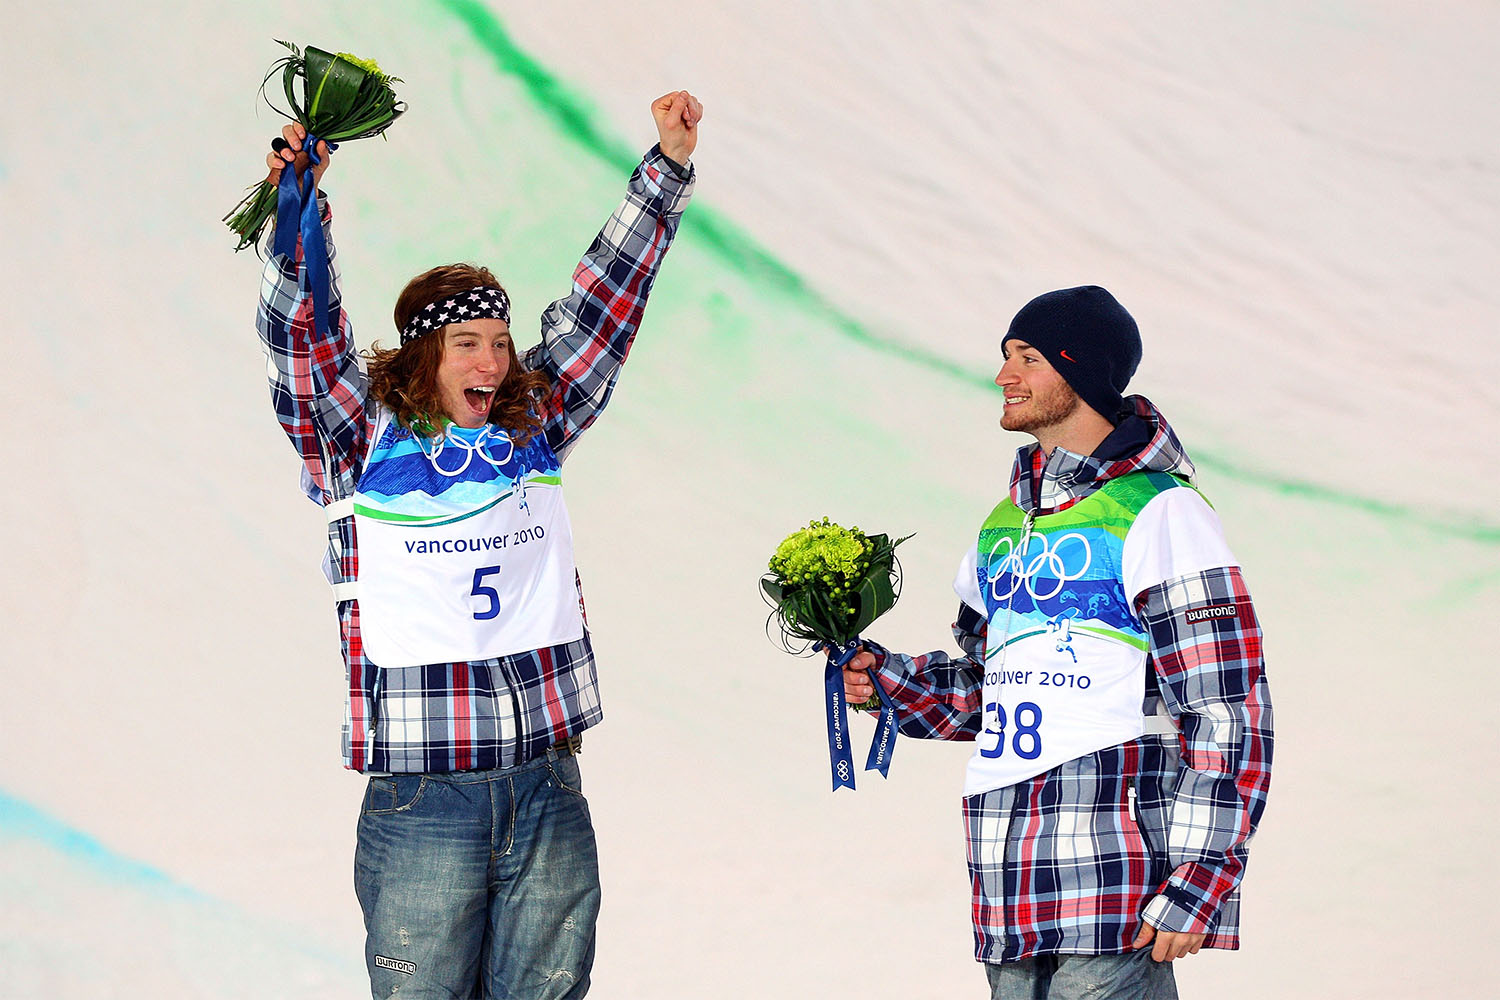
[479, 397]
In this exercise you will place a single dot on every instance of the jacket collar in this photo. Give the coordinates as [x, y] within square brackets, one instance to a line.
[1142, 442]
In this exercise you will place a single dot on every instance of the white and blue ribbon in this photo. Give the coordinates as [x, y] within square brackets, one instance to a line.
[884, 742]
[297, 213]
[840, 761]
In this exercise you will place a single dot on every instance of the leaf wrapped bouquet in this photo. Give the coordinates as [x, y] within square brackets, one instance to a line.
[344, 97]
[826, 584]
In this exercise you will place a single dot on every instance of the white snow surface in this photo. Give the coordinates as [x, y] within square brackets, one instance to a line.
[1298, 202]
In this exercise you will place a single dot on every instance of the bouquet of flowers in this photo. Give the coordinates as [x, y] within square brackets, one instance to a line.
[826, 584]
[343, 98]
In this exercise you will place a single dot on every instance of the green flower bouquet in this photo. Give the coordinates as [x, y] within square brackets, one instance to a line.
[344, 97]
[826, 584]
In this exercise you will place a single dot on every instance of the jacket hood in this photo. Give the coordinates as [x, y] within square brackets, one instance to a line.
[1142, 442]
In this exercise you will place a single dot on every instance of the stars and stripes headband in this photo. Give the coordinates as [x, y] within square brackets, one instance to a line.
[484, 302]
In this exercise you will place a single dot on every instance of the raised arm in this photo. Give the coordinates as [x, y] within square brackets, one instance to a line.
[317, 386]
[587, 334]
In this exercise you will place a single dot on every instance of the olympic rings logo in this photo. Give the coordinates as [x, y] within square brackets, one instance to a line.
[1020, 566]
[844, 769]
[480, 447]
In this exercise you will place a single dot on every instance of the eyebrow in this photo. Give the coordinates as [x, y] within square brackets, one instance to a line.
[455, 334]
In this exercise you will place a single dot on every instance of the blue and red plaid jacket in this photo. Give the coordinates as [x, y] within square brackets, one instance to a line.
[497, 712]
[1072, 860]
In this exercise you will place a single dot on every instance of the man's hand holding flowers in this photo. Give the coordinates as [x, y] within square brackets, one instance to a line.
[859, 689]
[826, 583]
[293, 153]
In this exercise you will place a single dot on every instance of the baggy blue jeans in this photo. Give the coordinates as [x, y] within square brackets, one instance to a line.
[1131, 976]
[479, 884]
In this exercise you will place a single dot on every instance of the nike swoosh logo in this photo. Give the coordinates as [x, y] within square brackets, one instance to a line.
[1065, 354]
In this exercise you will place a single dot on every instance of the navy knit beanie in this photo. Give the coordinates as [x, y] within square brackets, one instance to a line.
[1089, 338]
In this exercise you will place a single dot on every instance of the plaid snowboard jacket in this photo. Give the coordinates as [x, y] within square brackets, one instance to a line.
[1072, 860]
[502, 711]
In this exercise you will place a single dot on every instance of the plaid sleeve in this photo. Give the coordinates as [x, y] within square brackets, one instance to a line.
[937, 697]
[1206, 647]
[587, 334]
[317, 385]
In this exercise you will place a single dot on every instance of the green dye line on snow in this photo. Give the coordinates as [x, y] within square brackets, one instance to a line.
[571, 111]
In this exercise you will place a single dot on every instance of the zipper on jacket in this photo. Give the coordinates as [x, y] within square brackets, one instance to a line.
[374, 714]
[1153, 874]
[1015, 796]
[515, 708]
[1010, 823]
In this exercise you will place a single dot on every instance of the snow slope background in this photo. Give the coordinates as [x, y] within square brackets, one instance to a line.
[1297, 201]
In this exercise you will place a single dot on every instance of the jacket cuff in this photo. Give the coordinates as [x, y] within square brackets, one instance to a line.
[683, 171]
[884, 673]
[660, 173]
[1190, 900]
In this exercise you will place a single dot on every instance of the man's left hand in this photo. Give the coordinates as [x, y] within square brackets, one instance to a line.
[1169, 944]
[677, 116]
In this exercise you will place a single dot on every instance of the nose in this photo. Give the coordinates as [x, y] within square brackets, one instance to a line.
[1006, 376]
[492, 360]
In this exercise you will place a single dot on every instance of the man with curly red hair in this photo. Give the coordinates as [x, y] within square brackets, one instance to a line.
[470, 673]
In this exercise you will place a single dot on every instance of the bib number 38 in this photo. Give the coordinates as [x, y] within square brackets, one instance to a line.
[1025, 741]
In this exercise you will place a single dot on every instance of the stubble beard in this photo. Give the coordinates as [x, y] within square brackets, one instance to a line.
[1043, 412]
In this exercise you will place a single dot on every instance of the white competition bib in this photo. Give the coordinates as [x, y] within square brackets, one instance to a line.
[465, 549]
[1065, 666]
[1051, 698]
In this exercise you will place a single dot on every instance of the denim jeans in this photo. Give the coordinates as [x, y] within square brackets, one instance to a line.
[479, 884]
[1131, 976]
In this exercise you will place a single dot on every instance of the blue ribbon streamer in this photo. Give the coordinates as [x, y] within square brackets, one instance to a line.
[884, 743]
[297, 214]
[840, 761]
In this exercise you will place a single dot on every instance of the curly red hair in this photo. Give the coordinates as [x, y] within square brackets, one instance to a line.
[405, 378]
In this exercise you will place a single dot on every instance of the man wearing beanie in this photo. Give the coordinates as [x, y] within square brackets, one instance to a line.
[1112, 682]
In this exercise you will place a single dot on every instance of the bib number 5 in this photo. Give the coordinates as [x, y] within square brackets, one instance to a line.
[1025, 742]
[489, 593]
